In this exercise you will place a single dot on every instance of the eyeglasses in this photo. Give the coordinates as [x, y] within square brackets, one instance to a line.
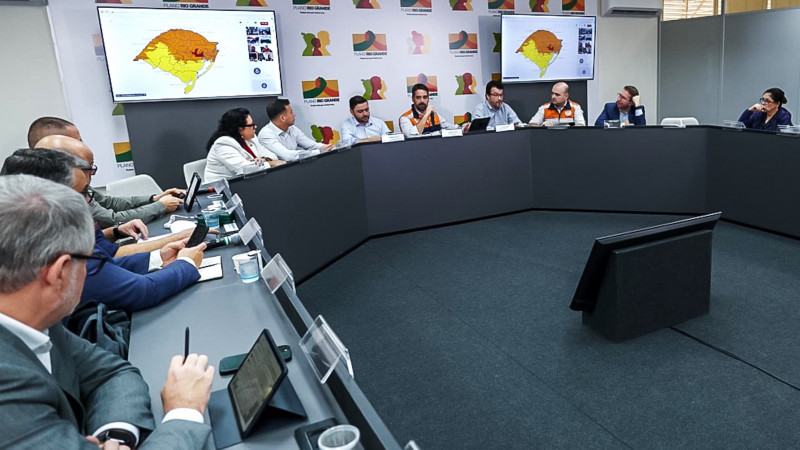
[763, 100]
[250, 125]
[91, 269]
[623, 97]
[90, 168]
[496, 95]
[88, 193]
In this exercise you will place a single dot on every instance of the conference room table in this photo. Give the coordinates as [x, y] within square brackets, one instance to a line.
[317, 209]
[225, 317]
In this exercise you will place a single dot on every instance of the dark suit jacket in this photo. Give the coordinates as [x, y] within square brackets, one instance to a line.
[755, 120]
[611, 112]
[123, 283]
[89, 387]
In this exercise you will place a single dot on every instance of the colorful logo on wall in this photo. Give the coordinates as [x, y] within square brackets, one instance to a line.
[419, 44]
[573, 6]
[462, 119]
[366, 4]
[374, 88]
[122, 152]
[311, 2]
[316, 45]
[461, 5]
[539, 5]
[325, 134]
[320, 92]
[497, 42]
[416, 7]
[428, 81]
[463, 40]
[495, 5]
[260, 3]
[118, 2]
[369, 42]
[466, 84]
[193, 4]
[311, 6]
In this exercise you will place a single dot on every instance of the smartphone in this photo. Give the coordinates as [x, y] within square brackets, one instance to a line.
[198, 235]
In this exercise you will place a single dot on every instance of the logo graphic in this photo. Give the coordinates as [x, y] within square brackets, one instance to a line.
[261, 3]
[461, 5]
[321, 88]
[312, 2]
[316, 45]
[501, 4]
[366, 4]
[419, 44]
[369, 42]
[126, 2]
[374, 88]
[194, 4]
[466, 84]
[496, 76]
[463, 40]
[539, 5]
[429, 82]
[462, 119]
[122, 152]
[573, 6]
[325, 134]
[497, 41]
[415, 3]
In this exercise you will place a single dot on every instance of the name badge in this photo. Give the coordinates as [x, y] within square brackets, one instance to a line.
[504, 127]
[452, 133]
[393, 137]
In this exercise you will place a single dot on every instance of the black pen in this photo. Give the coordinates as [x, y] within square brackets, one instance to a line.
[186, 344]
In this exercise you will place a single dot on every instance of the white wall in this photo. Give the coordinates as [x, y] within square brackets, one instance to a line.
[30, 83]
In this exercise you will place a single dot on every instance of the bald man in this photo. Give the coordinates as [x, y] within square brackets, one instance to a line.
[110, 211]
[559, 110]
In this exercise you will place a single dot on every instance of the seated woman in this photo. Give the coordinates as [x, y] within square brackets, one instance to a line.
[768, 113]
[233, 147]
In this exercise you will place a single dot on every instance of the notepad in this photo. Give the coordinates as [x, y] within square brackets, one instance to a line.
[210, 268]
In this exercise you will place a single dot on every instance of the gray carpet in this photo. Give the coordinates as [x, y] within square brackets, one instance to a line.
[461, 338]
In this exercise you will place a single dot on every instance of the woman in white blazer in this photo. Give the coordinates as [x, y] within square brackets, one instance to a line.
[233, 148]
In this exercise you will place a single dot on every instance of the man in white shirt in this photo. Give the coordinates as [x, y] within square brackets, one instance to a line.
[360, 127]
[559, 110]
[282, 137]
[499, 112]
[56, 388]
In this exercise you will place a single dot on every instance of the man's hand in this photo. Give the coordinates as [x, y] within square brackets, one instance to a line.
[170, 203]
[188, 383]
[326, 148]
[194, 253]
[133, 228]
[637, 102]
[107, 445]
[169, 252]
[175, 192]
[276, 162]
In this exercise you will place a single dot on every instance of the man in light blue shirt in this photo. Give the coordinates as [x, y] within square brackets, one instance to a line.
[282, 137]
[359, 127]
[499, 113]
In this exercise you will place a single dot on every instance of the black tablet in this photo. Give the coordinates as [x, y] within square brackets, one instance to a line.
[191, 192]
[479, 124]
[256, 381]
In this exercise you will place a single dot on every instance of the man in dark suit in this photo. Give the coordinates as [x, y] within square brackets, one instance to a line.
[56, 388]
[627, 109]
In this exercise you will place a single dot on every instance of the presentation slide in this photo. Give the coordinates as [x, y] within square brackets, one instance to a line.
[169, 54]
[547, 48]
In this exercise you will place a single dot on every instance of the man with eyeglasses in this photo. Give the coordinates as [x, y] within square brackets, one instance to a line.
[56, 389]
[129, 283]
[282, 137]
[494, 107]
[48, 132]
[627, 109]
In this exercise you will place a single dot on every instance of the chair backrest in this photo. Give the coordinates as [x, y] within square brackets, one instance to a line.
[135, 185]
[679, 121]
[189, 168]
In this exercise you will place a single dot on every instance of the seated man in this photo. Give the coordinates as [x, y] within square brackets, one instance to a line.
[422, 117]
[106, 210]
[627, 109]
[56, 388]
[493, 107]
[119, 283]
[282, 137]
[559, 110]
[359, 127]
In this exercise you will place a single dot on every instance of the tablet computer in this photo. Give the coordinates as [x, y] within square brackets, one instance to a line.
[479, 124]
[191, 192]
[256, 382]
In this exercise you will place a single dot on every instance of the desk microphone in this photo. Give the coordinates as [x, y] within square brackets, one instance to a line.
[233, 239]
[207, 190]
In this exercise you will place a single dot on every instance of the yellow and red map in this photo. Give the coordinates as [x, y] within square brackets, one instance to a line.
[542, 47]
[182, 53]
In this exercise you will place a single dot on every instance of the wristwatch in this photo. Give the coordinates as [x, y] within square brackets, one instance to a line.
[117, 233]
[115, 434]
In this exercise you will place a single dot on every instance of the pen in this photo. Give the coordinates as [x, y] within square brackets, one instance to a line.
[186, 344]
